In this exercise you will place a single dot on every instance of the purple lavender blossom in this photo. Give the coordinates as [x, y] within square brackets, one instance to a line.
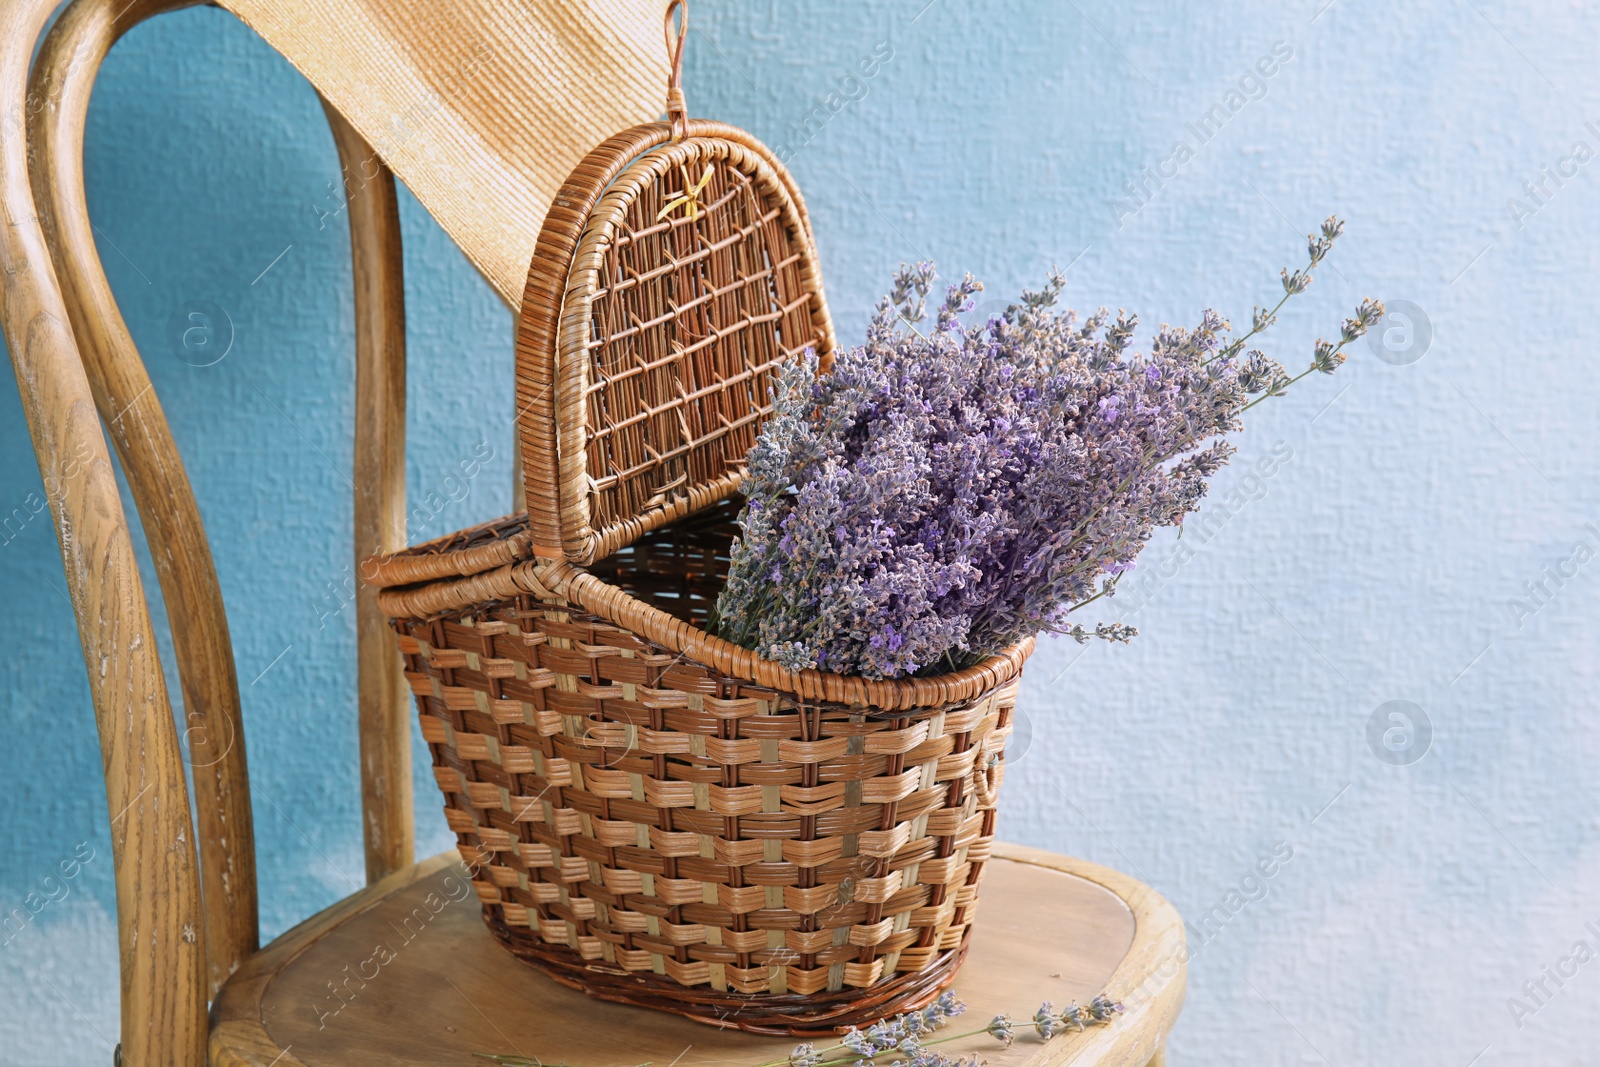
[935, 498]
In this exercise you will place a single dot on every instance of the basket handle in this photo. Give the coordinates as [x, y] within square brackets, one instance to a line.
[677, 108]
[545, 293]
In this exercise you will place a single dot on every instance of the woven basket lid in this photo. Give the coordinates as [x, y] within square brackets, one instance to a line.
[674, 275]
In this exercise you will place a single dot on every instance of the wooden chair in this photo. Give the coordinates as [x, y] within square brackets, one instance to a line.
[481, 106]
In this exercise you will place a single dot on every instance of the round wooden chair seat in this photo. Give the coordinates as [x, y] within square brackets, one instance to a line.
[404, 972]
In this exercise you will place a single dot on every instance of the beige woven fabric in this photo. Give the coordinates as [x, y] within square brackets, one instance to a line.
[482, 107]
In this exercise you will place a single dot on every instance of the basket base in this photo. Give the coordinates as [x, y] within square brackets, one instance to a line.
[794, 1015]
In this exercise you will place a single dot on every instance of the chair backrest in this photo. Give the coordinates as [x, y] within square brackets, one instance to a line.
[481, 106]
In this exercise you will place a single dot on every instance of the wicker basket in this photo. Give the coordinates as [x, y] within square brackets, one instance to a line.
[653, 815]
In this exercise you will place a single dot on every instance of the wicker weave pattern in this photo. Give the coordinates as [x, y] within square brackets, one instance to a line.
[646, 345]
[688, 319]
[657, 816]
[648, 815]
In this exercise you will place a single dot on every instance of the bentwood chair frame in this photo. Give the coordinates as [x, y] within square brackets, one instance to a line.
[187, 915]
[79, 370]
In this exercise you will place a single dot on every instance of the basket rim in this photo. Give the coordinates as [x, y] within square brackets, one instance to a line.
[546, 559]
[462, 578]
[453, 555]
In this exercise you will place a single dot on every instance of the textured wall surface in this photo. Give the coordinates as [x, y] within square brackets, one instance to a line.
[1418, 528]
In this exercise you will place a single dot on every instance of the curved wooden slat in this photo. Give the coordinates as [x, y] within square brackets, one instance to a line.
[65, 74]
[159, 922]
[383, 700]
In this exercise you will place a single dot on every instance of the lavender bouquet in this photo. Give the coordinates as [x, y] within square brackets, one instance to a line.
[938, 496]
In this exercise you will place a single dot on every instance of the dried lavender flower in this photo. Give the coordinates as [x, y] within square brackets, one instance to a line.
[910, 291]
[1105, 631]
[1326, 357]
[1104, 1009]
[885, 1034]
[857, 1042]
[946, 1007]
[1257, 372]
[904, 1036]
[933, 499]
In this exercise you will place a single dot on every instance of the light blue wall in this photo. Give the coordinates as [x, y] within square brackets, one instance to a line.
[1376, 563]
